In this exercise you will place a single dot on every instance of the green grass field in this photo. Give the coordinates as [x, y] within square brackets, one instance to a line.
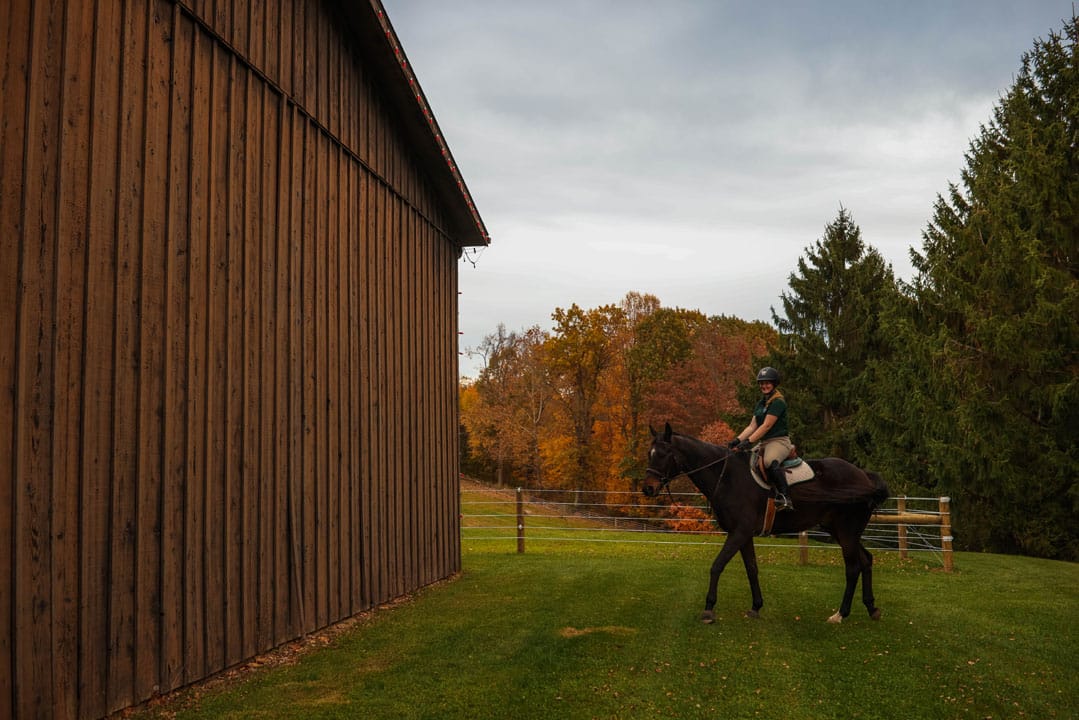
[610, 630]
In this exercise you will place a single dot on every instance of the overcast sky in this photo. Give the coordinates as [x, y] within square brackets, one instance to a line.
[694, 150]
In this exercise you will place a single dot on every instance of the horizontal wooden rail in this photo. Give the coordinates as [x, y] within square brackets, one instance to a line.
[906, 518]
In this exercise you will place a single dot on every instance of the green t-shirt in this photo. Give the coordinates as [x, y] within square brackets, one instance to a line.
[776, 405]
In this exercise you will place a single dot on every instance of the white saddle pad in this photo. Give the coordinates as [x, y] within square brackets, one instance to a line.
[795, 473]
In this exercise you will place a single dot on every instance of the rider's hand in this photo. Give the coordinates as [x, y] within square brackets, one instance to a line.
[743, 445]
[734, 443]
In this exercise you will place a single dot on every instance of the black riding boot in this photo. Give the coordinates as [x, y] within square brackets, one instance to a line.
[778, 476]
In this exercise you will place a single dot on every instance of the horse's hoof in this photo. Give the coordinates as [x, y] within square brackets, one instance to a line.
[708, 617]
[752, 614]
[836, 619]
[875, 615]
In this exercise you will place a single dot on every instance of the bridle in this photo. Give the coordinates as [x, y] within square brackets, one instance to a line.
[665, 480]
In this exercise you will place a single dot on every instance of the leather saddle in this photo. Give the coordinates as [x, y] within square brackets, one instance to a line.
[797, 469]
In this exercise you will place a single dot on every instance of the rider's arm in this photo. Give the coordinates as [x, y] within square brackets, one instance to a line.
[769, 421]
[748, 431]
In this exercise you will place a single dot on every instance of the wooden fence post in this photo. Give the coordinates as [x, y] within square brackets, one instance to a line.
[803, 548]
[901, 503]
[946, 532]
[520, 521]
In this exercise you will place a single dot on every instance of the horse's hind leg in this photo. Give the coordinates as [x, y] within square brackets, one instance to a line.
[867, 583]
[852, 561]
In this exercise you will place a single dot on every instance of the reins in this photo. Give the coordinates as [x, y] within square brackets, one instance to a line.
[665, 480]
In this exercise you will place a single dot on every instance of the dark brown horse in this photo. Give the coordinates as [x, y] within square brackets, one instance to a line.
[840, 499]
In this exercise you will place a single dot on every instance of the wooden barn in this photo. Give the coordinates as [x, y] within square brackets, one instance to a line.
[230, 234]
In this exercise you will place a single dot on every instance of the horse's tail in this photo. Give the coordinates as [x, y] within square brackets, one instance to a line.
[880, 490]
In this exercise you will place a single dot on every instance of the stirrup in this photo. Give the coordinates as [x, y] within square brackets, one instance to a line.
[783, 502]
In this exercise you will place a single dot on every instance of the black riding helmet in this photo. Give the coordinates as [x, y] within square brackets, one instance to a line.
[768, 374]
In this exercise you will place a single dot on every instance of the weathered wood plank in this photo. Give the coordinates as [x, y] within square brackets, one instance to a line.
[321, 364]
[174, 585]
[382, 472]
[271, 64]
[398, 414]
[233, 115]
[72, 218]
[99, 396]
[268, 467]
[332, 436]
[218, 13]
[366, 416]
[127, 359]
[308, 91]
[296, 378]
[285, 45]
[150, 470]
[14, 65]
[219, 65]
[34, 378]
[310, 370]
[410, 506]
[196, 536]
[354, 428]
[284, 421]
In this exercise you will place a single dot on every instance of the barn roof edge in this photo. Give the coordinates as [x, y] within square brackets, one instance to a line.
[379, 43]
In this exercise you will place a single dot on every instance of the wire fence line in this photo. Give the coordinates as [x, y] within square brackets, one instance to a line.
[902, 524]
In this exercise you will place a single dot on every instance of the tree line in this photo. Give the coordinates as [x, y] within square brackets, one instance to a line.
[961, 381]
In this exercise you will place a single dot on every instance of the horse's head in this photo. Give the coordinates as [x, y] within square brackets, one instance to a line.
[663, 463]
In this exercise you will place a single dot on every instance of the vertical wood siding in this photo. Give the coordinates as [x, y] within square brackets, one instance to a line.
[227, 345]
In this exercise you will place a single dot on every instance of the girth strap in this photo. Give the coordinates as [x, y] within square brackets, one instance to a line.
[769, 517]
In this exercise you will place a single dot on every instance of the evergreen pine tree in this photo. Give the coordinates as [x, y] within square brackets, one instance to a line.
[828, 329]
[986, 372]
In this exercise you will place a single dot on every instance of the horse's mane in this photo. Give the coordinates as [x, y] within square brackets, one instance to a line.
[703, 444]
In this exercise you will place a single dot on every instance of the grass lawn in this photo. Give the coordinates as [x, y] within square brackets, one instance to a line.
[610, 630]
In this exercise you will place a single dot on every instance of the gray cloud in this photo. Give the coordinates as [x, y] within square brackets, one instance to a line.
[694, 149]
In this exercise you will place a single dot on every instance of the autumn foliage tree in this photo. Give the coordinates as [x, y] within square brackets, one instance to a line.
[570, 408]
[505, 409]
[700, 390]
[579, 353]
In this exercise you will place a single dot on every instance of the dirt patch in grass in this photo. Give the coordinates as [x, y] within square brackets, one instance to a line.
[572, 632]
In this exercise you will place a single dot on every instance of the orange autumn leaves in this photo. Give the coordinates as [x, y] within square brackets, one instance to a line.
[570, 408]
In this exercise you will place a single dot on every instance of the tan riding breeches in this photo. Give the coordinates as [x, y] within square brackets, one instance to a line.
[773, 449]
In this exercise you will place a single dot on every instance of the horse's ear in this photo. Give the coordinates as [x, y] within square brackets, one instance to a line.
[652, 430]
[667, 432]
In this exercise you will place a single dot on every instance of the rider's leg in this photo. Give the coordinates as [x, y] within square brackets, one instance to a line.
[775, 451]
[778, 476]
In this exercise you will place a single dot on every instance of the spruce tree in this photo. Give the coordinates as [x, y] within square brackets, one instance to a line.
[828, 329]
[987, 373]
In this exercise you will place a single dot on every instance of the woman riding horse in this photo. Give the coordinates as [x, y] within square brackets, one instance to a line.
[768, 428]
[840, 499]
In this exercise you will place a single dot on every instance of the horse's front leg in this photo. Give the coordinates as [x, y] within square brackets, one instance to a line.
[749, 559]
[731, 545]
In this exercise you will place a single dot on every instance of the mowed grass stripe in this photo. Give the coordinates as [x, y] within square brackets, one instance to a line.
[585, 630]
